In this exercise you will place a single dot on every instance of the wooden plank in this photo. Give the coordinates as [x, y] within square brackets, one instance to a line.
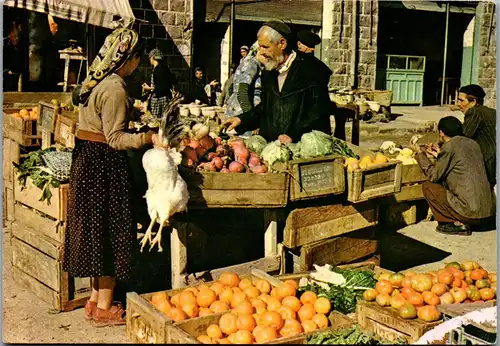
[236, 181]
[266, 264]
[454, 310]
[9, 204]
[64, 133]
[36, 287]
[237, 198]
[30, 218]
[307, 225]
[11, 153]
[32, 98]
[271, 233]
[144, 323]
[37, 264]
[40, 242]
[178, 254]
[30, 196]
[413, 174]
[409, 193]
[338, 250]
[385, 332]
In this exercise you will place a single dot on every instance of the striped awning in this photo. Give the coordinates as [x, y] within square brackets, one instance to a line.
[95, 12]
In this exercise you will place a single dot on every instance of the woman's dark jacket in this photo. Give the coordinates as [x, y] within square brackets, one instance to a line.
[164, 80]
[302, 105]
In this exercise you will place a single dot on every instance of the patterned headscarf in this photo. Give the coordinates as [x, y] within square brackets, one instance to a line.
[118, 47]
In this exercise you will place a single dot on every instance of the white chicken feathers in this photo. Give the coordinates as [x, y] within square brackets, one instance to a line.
[167, 192]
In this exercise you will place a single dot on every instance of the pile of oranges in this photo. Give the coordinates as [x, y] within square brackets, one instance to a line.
[416, 295]
[27, 115]
[251, 311]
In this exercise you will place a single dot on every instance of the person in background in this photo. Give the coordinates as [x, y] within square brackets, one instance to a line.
[101, 235]
[162, 81]
[244, 52]
[198, 88]
[480, 125]
[294, 97]
[306, 41]
[227, 89]
[13, 54]
[458, 191]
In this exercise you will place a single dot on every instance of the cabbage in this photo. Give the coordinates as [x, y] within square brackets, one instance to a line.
[256, 143]
[315, 143]
[295, 149]
[275, 152]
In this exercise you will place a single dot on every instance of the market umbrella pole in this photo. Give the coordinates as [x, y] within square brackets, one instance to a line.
[443, 81]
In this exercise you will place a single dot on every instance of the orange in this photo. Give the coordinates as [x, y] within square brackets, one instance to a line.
[162, 305]
[229, 279]
[224, 341]
[306, 312]
[237, 290]
[286, 290]
[226, 295]
[205, 339]
[274, 293]
[257, 303]
[238, 298]
[272, 319]
[175, 300]
[159, 297]
[287, 313]
[308, 297]
[263, 286]
[322, 305]
[177, 314]
[187, 298]
[251, 292]
[191, 310]
[245, 283]
[206, 297]
[227, 323]
[309, 326]
[273, 304]
[219, 306]
[205, 312]
[242, 337]
[214, 332]
[245, 322]
[293, 283]
[244, 308]
[260, 310]
[265, 334]
[192, 289]
[291, 328]
[320, 320]
[265, 297]
[292, 302]
[217, 287]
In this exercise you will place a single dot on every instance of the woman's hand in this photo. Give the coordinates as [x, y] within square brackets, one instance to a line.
[145, 86]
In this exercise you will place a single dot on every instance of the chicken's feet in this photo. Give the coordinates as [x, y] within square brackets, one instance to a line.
[147, 236]
[157, 239]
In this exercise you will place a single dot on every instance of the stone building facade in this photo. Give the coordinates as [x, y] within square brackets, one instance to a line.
[487, 51]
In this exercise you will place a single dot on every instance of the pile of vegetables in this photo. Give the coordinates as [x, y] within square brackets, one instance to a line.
[348, 336]
[366, 161]
[416, 295]
[405, 155]
[343, 287]
[26, 114]
[317, 143]
[42, 177]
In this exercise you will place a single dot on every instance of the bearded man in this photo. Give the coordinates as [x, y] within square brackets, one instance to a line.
[294, 97]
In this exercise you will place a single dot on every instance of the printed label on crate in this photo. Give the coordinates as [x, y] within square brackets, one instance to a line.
[317, 176]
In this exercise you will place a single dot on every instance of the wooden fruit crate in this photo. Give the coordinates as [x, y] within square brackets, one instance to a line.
[30, 196]
[22, 99]
[317, 177]
[186, 332]
[236, 190]
[412, 174]
[307, 225]
[374, 182]
[37, 261]
[11, 153]
[346, 248]
[65, 129]
[386, 323]
[8, 206]
[20, 130]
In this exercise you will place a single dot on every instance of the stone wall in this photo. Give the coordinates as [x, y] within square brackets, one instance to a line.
[487, 53]
[169, 28]
[337, 42]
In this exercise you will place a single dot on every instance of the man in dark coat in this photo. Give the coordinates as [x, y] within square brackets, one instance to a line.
[294, 96]
[480, 125]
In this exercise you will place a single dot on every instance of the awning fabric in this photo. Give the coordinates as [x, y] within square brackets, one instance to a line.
[95, 12]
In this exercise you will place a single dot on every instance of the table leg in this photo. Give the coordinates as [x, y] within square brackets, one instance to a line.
[178, 255]
[355, 128]
[271, 234]
[66, 73]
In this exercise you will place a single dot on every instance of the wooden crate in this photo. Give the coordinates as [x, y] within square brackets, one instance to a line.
[146, 324]
[346, 248]
[317, 177]
[65, 129]
[412, 174]
[236, 190]
[30, 196]
[11, 153]
[308, 225]
[386, 323]
[409, 193]
[23, 99]
[36, 264]
[20, 130]
[8, 205]
[374, 182]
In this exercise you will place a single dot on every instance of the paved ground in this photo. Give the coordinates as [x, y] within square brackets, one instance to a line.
[26, 319]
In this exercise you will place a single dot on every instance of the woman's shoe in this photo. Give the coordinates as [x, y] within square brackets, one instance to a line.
[90, 308]
[451, 229]
[112, 317]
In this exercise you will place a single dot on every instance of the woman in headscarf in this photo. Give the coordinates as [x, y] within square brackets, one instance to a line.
[100, 233]
[162, 81]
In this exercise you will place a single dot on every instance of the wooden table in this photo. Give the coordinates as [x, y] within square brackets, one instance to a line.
[67, 56]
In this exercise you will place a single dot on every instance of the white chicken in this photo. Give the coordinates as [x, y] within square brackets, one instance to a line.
[167, 192]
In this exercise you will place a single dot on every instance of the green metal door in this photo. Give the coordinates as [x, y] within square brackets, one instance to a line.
[404, 75]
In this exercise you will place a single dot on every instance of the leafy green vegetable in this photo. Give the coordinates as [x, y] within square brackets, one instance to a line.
[314, 144]
[345, 297]
[34, 167]
[340, 147]
[275, 152]
[348, 336]
[256, 143]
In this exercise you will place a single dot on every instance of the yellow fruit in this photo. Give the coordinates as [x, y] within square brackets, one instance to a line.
[350, 161]
[380, 158]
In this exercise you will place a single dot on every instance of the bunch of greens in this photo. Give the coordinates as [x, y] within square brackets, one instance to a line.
[345, 295]
[348, 336]
[340, 147]
[314, 144]
[35, 168]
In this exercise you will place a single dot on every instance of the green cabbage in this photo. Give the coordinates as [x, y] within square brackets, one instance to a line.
[314, 144]
[275, 152]
[256, 143]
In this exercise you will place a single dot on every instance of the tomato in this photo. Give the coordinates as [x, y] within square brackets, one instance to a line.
[431, 298]
[467, 266]
[370, 295]
[477, 274]
[421, 283]
[473, 293]
[482, 283]
[395, 279]
[492, 277]
[383, 299]
[384, 286]
[406, 282]
[453, 265]
[415, 299]
[396, 292]
[439, 289]
[447, 298]
[486, 293]
[459, 294]
[397, 302]
[407, 291]
[407, 311]
[456, 283]
[429, 313]
[445, 278]
[458, 274]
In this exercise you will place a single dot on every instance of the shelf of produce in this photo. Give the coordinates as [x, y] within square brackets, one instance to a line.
[236, 190]
[22, 130]
[37, 248]
[386, 323]
[317, 177]
[147, 324]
